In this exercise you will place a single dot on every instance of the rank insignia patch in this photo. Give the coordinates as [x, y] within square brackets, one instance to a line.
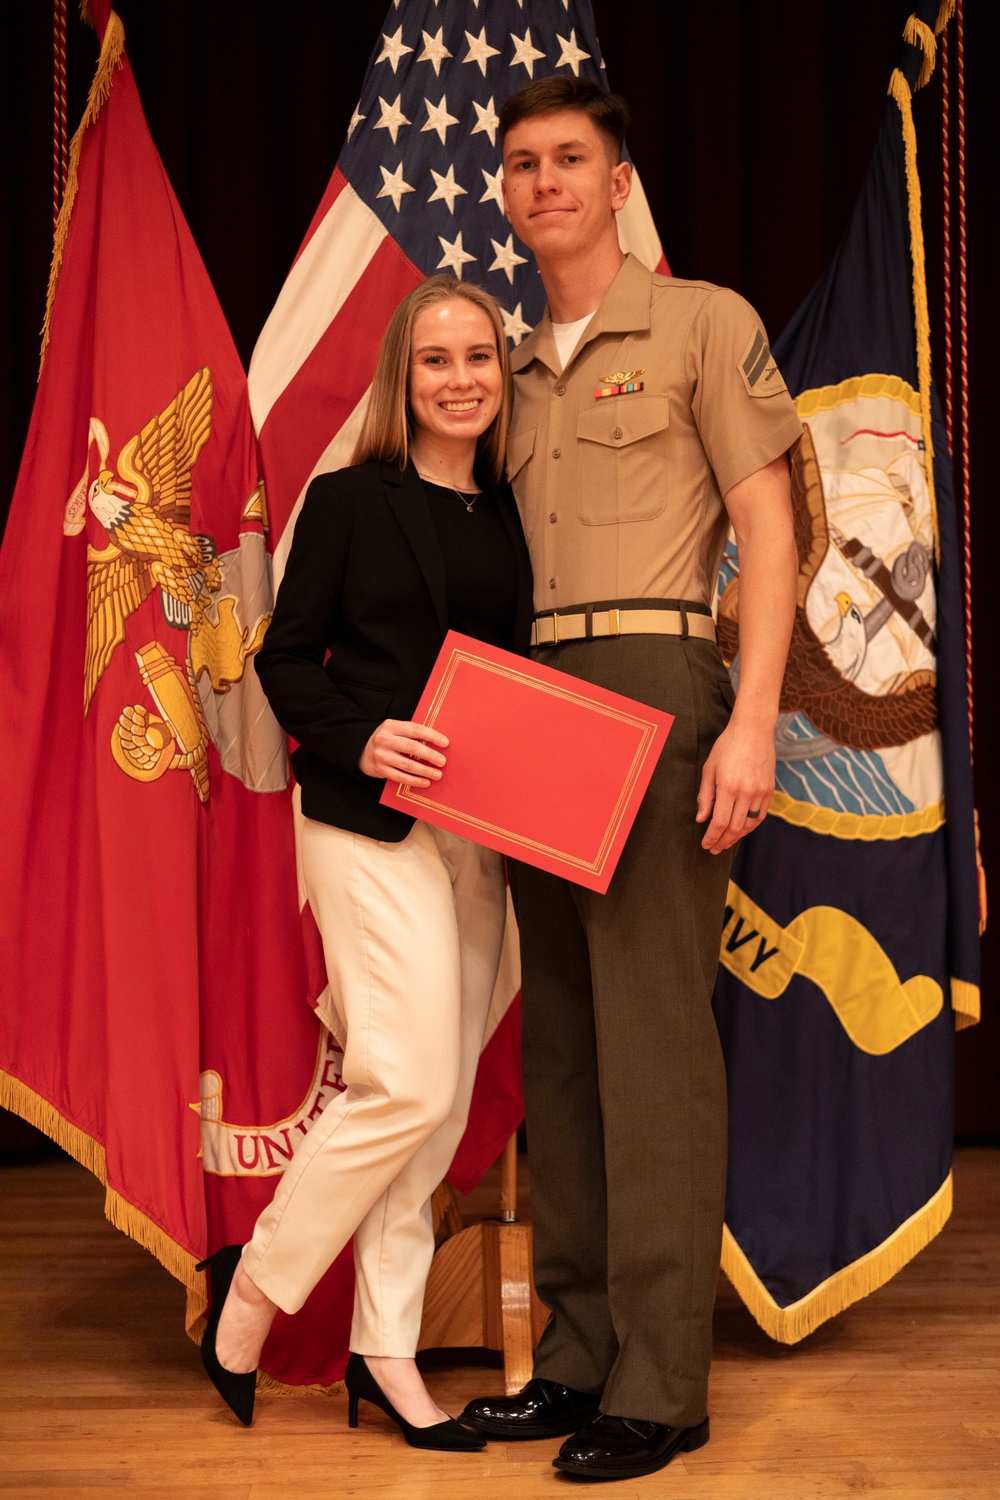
[757, 368]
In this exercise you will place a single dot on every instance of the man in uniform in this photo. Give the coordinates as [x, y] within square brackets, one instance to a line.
[648, 417]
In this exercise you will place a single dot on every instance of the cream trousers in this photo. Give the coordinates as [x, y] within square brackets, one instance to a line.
[412, 934]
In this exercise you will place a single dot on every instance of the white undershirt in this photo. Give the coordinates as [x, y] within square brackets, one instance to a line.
[567, 336]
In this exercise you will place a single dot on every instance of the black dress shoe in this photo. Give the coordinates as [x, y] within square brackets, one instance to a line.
[543, 1409]
[445, 1437]
[237, 1390]
[620, 1448]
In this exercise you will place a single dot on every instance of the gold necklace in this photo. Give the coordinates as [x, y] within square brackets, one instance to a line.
[463, 496]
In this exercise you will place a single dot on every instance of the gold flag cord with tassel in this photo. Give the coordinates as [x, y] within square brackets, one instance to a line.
[965, 996]
[112, 50]
[963, 356]
[60, 158]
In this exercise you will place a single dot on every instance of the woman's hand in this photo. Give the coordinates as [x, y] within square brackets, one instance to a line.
[401, 751]
[737, 781]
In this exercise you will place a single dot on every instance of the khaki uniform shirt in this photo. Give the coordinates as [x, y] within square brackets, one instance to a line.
[621, 496]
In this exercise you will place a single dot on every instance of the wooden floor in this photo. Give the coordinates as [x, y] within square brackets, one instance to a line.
[101, 1393]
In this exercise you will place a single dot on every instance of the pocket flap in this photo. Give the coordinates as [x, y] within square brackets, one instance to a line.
[520, 447]
[616, 421]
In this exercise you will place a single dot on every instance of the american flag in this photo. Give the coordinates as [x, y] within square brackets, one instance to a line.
[416, 191]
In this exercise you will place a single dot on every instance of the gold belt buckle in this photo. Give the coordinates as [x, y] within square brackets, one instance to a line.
[614, 622]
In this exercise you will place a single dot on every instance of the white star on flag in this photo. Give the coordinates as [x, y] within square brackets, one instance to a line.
[393, 186]
[507, 258]
[571, 54]
[524, 52]
[514, 325]
[480, 50]
[392, 117]
[434, 51]
[438, 118]
[493, 191]
[394, 49]
[355, 121]
[455, 257]
[447, 188]
[487, 120]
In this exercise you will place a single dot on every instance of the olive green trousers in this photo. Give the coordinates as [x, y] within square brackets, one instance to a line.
[624, 1082]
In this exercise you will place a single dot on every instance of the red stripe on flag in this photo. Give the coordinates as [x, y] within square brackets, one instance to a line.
[334, 188]
[329, 384]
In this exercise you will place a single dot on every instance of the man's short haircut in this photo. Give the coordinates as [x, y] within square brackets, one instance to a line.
[546, 96]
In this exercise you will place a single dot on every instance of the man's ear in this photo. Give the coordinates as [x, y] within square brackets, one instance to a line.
[503, 189]
[621, 185]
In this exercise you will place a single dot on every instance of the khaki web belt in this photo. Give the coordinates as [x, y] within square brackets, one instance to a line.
[580, 622]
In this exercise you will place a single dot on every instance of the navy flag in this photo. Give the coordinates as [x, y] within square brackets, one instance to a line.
[851, 944]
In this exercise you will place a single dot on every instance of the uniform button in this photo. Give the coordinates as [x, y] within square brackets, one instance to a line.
[617, 433]
[557, 453]
[552, 583]
[560, 390]
[552, 517]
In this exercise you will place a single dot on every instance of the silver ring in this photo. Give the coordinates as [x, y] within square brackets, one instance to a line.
[753, 812]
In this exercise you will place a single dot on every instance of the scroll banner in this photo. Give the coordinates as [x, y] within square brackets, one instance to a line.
[851, 948]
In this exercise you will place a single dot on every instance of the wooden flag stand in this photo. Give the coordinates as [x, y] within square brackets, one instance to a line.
[480, 1292]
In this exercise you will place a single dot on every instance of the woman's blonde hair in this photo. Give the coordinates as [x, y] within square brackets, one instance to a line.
[388, 424]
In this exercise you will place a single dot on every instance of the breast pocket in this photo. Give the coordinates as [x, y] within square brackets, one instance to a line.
[623, 456]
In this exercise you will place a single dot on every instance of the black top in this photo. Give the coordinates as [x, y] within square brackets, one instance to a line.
[359, 620]
[480, 568]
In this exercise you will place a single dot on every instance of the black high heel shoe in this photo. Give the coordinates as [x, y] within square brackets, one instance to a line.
[237, 1390]
[448, 1436]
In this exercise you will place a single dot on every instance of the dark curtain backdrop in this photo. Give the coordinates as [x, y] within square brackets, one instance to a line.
[753, 124]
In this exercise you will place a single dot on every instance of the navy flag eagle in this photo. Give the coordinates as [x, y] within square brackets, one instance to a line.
[851, 942]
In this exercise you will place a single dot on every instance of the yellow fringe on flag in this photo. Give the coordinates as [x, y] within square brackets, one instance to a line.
[900, 91]
[965, 1003]
[919, 34]
[788, 1325]
[274, 1387]
[23, 1101]
[112, 51]
[944, 15]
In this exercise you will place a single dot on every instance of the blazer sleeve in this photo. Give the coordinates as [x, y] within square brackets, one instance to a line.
[304, 699]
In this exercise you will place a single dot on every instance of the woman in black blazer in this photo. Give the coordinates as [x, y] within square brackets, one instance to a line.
[420, 535]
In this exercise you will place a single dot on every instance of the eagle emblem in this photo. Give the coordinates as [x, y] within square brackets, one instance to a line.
[146, 510]
[820, 679]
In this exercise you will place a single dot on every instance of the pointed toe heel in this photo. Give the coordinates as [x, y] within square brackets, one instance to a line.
[237, 1390]
[445, 1437]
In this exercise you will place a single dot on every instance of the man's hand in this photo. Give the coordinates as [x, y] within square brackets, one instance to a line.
[738, 780]
[401, 751]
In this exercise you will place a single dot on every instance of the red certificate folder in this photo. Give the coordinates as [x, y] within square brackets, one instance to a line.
[541, 766]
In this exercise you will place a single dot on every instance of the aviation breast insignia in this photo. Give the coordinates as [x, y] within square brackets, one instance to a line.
[621, 383]
[145, 508]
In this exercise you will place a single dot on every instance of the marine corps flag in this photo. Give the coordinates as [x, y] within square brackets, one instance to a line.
[850, 948]
[154, 1017]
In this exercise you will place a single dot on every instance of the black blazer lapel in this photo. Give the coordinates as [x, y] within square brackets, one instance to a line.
[404, 492]
[524, 612]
